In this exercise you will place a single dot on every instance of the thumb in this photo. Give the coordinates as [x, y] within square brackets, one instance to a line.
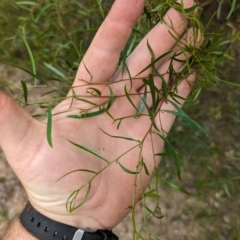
[16, 126]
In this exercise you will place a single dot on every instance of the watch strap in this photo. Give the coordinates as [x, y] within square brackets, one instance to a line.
[44, 228]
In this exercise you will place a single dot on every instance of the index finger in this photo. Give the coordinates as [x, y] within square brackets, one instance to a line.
[101, 59]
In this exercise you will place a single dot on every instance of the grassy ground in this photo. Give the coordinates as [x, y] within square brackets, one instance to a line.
[210, 165]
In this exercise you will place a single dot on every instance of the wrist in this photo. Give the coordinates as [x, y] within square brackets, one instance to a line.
[17, 231]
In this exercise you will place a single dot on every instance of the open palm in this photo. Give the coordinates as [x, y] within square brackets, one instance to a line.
[41, 168]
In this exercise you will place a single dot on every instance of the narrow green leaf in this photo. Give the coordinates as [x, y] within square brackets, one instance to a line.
[150, 113]
[56, 72]
[180, 113]
[152, 90]
[233, 5]
[174, 95]
[77, 170]
[227, 190]
[153, 62]
[228, 83]
[143, 99]
[171, 73]
[148, 16]
[191, 9]
[164, 90]
[126, 170]
[25, 91]
[188, 120]
[49, 92]
[235, 178]
[123, 59]
[101, 110]
[132, 44]
[129, 98]
[87, 115]
[163, 154]
[149, 210]
[155, 236]
[111, 100]
[94, 92]
[173, 154]
[196, 94]
[155, 107]
[153, 213]
[87, 71]
[26, 3]
[158, 7]
[25, 70]
[72, 202]
[176, 187]
[151, 51]
[145, 168]
[126, 138]
[84, 100]
[219, 10]
[146, 105]
[119, 123]
[90, 151]
[30, 54]
[49, 126]
[75, 116]
[152, 195]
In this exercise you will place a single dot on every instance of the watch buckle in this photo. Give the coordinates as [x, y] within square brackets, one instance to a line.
[78, 235]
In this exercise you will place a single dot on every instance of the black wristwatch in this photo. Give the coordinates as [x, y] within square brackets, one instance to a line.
[44, 228]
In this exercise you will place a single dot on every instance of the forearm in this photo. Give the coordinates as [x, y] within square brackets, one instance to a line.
[16, 231]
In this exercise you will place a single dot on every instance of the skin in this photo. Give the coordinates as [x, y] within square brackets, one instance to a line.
[39, 167]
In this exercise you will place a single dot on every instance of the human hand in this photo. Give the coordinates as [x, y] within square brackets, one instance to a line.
[40, 167]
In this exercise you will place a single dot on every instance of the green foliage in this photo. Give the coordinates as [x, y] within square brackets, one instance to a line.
[49, 126]
[48, 38]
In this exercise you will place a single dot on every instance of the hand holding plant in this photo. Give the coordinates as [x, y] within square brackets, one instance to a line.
[102, 163]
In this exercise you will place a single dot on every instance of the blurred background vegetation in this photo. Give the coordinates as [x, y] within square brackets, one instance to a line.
[48, 38]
